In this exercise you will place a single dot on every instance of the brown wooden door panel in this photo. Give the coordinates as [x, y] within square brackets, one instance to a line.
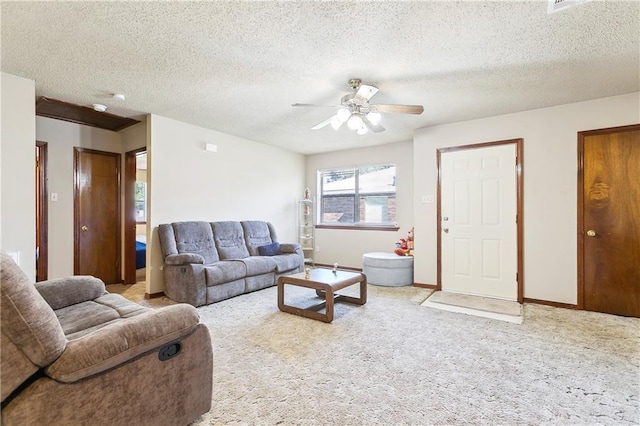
[97, 214]
[610, 233]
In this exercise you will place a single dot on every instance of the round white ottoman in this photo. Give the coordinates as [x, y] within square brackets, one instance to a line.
[388, 269]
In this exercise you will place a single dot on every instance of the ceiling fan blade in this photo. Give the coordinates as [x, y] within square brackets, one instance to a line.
[376, 128]
[397, 109]
[366, 91]
[315, 105]
[322, 124]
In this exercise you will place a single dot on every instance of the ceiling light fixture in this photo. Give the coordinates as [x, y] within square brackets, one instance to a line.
[99, 107]
[355, 122]
[363, 130]
[374, 117]
[343, 114]
[118, 96]
[336, 122]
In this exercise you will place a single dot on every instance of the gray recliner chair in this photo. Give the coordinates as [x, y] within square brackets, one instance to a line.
[73, 354]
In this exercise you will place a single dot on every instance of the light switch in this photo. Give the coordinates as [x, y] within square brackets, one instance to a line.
[54, 196]
[427, 199]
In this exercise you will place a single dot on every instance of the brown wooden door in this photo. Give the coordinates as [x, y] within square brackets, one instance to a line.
[609, 221]
[97, 214]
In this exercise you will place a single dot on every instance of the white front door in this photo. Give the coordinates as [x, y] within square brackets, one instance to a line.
[479, 238]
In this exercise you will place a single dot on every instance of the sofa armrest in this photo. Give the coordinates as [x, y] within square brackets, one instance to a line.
[122, 341]
[183, 259]
[62, 292]
[290, 247]
[186, 283]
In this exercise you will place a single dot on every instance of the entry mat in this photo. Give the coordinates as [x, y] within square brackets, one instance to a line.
[487, 307]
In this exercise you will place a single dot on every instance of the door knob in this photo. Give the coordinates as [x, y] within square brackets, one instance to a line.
[591, 233]
[446, 230]
[84, 227]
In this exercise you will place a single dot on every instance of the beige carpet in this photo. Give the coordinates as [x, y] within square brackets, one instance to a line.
[394, 362]
[503, 310]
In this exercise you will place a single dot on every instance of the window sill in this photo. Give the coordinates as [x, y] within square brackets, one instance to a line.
[360, 227]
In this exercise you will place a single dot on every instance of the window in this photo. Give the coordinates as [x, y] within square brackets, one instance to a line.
[141, 201]
[358, 196]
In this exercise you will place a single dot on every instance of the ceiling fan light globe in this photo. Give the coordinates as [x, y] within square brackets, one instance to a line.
[363, 130]
[343, 114]
[336, 123]
[374, 117]
[354, 122]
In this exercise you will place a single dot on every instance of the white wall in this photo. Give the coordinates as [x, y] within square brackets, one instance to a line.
[244, 180]
[346, 246]
[134, 137]
[17, 175]
[550, 185]
[61, 138]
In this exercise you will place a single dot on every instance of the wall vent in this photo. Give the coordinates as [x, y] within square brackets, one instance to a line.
[556, 5]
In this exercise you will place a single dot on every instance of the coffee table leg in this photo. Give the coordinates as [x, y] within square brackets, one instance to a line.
[309, 312]
[361, 300]
[329, 299]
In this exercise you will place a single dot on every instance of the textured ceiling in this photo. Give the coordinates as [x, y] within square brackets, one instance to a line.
[237, 67]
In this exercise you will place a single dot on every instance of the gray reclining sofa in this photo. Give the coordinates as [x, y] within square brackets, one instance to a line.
[206, 262]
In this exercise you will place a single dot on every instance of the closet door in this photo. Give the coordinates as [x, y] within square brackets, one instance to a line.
[609, 220]
[97, 229]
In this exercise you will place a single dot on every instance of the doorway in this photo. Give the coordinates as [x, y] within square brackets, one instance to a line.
[480, 220]
[96, 198]
[135, 217]
[42, 213]
[609, 220]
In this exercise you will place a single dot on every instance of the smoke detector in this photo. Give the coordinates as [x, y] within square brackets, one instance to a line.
[99, 107]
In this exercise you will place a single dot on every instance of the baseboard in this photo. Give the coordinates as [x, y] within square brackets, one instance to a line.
[431, 286]
[154, 295]
[550, 303]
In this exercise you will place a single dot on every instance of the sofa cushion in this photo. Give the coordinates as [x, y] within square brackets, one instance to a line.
[225, 271]
[188, 237]
[86, 317]
[258, 233]
[269, 250]
[286, 262]
[229, 239]
[121, 341]
[257, 265]
[27, 319]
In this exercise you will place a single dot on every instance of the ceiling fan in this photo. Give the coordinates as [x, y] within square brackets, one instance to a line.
[358, 113]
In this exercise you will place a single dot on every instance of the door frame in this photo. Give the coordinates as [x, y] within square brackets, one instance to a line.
[519, 207]
[581, 202]
[130, 170]
[42, 214]
[76, 213]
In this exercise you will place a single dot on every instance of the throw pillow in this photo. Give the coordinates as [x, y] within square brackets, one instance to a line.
[269, 250]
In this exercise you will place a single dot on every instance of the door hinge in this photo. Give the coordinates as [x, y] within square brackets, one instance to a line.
[516, 277]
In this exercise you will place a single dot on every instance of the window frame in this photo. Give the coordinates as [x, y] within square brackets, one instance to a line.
[391, 226]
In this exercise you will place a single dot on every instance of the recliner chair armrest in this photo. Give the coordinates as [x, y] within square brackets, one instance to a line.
[61, 292]
[290, 247]
[122, 341]
[183, 259]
